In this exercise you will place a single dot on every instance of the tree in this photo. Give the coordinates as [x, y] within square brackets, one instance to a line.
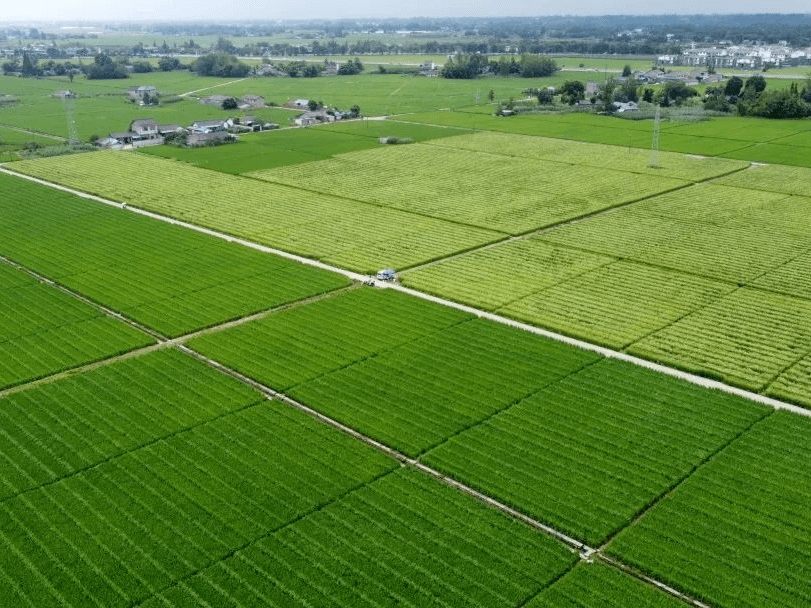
[715, 99]
[29, 67]
[465, 66]
[626, 71]
[806, 92]
[103, 67]
[627, 91]
[10, 67]
[354, 111]
[544, 97]
[676, 92]
[780, 104]
[647, 95]
[313, 105]
[491, 95]
[167, 64]
[223, 46]
[536, 66]
[229, 104]
[220, 64]
[141, 67]
[756, 83]
[351, 67]
[607, 94]
[572, 91]
[733, 87]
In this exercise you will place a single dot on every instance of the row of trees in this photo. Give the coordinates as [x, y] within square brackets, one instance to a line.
[573, 91]
[471, 66]
[30, 67]
[751, 98]
[220, 64]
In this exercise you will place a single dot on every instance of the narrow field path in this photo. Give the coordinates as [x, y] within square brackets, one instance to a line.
[39, 133]
[211, 87]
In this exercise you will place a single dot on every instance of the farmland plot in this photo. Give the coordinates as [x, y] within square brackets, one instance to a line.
[618, 303]
[164, 276]
[492, 277]
[595, 584]
[740, 138]
[746, 338]
[583, 154]
[293, 346]
[507, 193]
[292, 146]
[43, 330]
[736, 249]
[792, 278]
[60, 428]
[403, 540]
[116, 533]
[586, 453]
[773, 178]
[737, 532]
[794, 384]
[354, 234]
[419, 394]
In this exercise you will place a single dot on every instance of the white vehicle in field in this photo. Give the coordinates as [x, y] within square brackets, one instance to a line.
[387, 274]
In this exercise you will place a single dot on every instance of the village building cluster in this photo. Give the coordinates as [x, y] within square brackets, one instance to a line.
[745, 57]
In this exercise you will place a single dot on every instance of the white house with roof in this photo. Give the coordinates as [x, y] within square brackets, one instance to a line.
[139, 92]
[211, 126]
[145, 128]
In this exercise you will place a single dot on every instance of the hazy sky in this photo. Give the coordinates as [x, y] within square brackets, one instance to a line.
[216, 10]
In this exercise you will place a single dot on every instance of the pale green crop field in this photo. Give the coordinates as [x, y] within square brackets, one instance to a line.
[507, 183]
[348, 233]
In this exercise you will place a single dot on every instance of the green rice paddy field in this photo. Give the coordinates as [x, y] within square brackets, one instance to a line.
[664, 261]
[164, 477]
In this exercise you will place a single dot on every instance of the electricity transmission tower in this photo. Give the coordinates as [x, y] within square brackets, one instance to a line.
[654, 154]
[73, 136]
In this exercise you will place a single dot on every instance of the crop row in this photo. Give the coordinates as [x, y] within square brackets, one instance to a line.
[122, 530]
[492, 277]
[170, 278]
[747, 338]
[729, 137]
[508, 410]
[508, 193]
[587, 295]
[417, 395]
[403, 540]
[793, 278]
[598, 585]
[618, 303]
[364, 237]
[736, 251]
[63, 427]
[297, 345]
[43, 330]
[736, 532]
[582, 154]
[288, 147]
[773, 178]
[794, 384]
[591, 450]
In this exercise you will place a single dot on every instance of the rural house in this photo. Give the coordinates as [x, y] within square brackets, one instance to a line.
[144, 129]
[139, 92]
[211, 126]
